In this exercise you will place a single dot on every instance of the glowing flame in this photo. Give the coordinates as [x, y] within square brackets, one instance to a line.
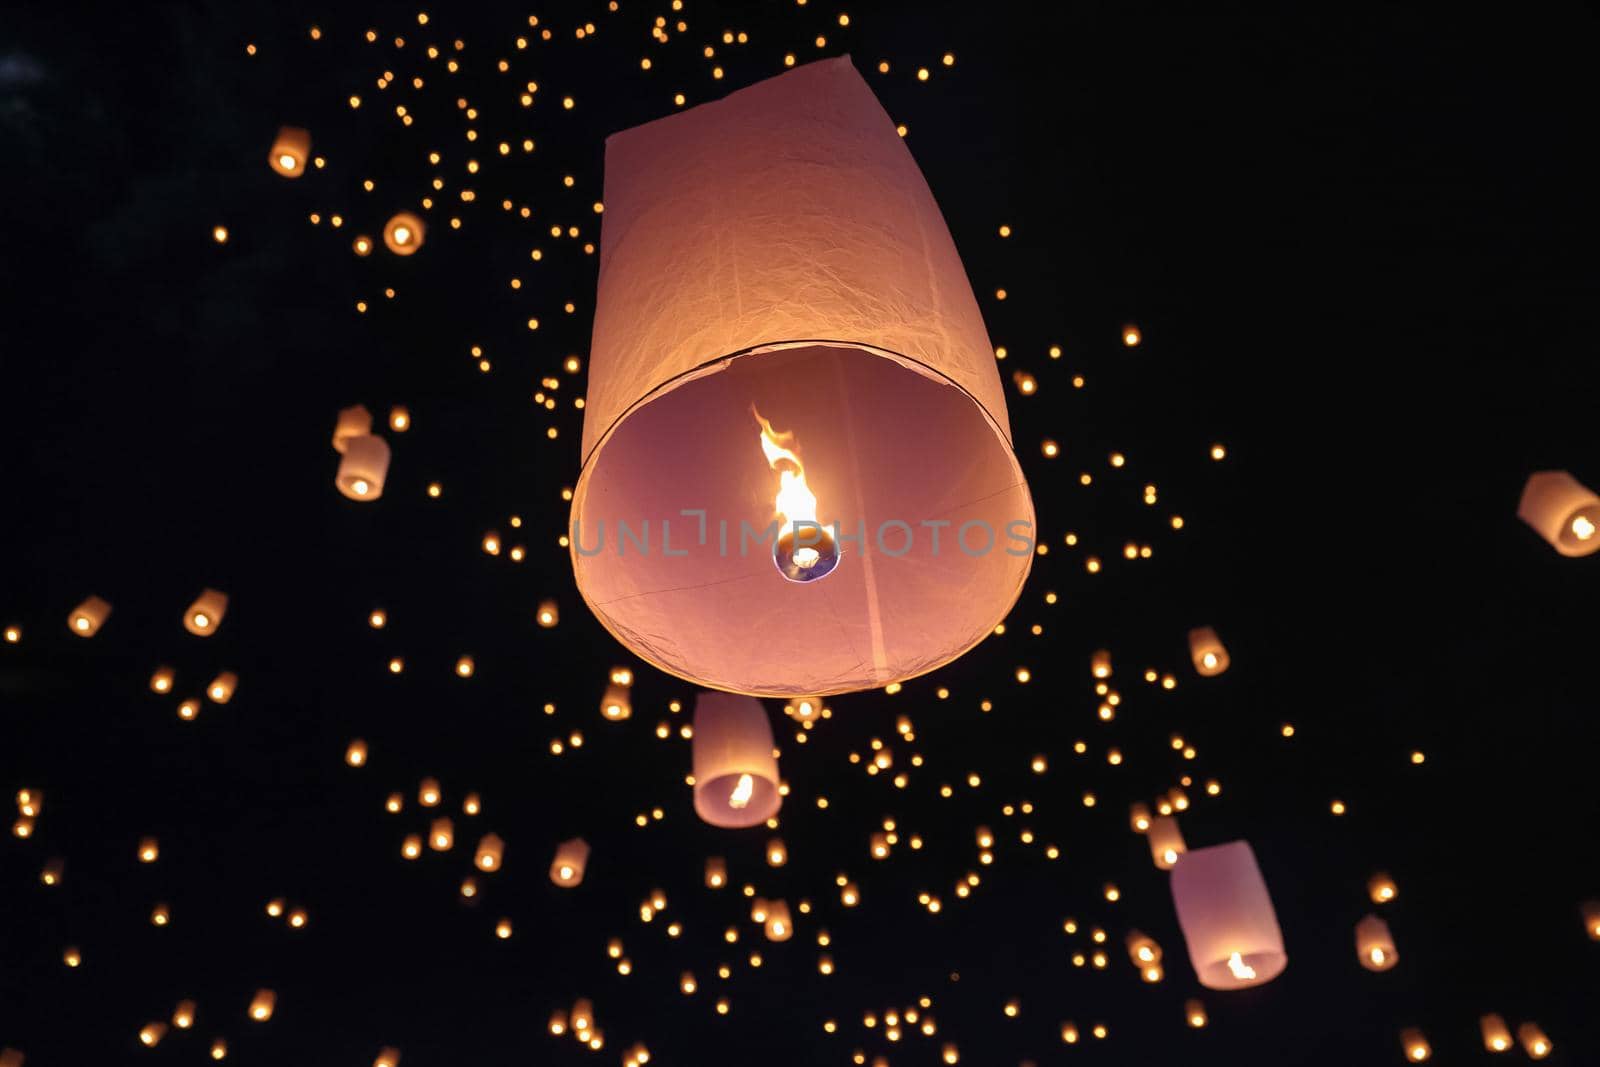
[1582, 528]
[742, 792]
[1241, 970]
[795, 501]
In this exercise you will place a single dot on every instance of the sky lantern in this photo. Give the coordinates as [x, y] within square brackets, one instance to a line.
[87, 618]
[549, 614]
[183, 1014]
[1496, 1036]
[1227, 917]
[1533, 1041]
[222, 686]
[290, 150]
[776, 274]
[1374, 945]
[616, 704]
[150, 1034]
[1563, 511]
[566, 870]
[1415, 1044]
[355, 754]
[1591, 918]
[204, 616]
[777, 923]
[1381, 888]
[716, 872]
[161, 680]
[389, 1056]
[1207, 651]
[1166, 841]
[363, 467]
[262, 1005]
[403, 233]
[441, 834]
[735, 770]
[1100, 663]
[491, 852]
[354, 421]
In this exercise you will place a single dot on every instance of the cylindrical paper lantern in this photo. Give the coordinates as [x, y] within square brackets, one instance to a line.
[222, 686]
[403, 233]
[778, 252]
[1496, 1036]
[87, 618]
[1415, 1045]
[1533, 1041]
[1142, 949]
[1166, 842]
[572, 857]
[777, 923]
[1227, 918]
[204, 616]
[1139, 817]
[1374, 946]
[441, 834]
[1563, 510]
[549, 613]
[615, 704]
[735, 771]
[1195, 1012]
[582, 1015]
[1381, 888]
[354, 421]
[1591, 918]
[290, 150]
[491, 851]
[363, 467]
[777, 853]
[399, 418]
[716, 872]
[428, 792]
[149, 850]
[262, 1005]
[1207, 651]
[356, 753]
[183, 1015]
[1100, 664]
[161, 680]
[150, 1034]
[388, 1056]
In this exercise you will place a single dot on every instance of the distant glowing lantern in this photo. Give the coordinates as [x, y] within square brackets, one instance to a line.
[572, 857]
[716, 872]
[150, 1034]
[1207, 651]
[1143, 951]
[87, 618]
[1533, 1041]
[399, 418]
[222, 686]
[615, 704]
[428, 794]
[777, 853]
[1591, 919]
[735, 770]
[441, 834]
[1227, 917]
[548, 614]
[183, 1015]
[354, 421]
[1194, 1012]
[290, 150]
[491, 852]
[1374, 946]
[161, 680]
[403, 233]
[262, 1005]
[149, 850]
[1139, 817]
[1381, 888]
[411, 847]
[1415, 1045]
[362, 245]
[777, 923]
[582, 1015]
[1100, 664]
[204, 616]
[387, 1057]
[356, 754]
[854, 330]
[1496, 1035]
[1563, 511]
[363, 467]
[1166, 842]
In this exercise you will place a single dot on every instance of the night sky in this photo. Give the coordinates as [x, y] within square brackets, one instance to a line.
[1359, 248]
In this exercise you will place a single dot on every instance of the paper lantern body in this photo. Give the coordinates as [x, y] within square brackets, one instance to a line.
[87, 618]
[290, 150]
[222, 687]
[1227, 918]
[1374, 945]
[204, 616]
[403, 233]
[735, 772]
[1496, 1036]
[363, 468]
[354, 421]
[1563, 510]
[491, 853]
[1166, 842]
[572, 857]
[1207, 651]
[779, 249]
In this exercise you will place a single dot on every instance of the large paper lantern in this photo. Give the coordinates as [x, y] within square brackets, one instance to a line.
[1563, 510]
[290, 150]
[1227, 918]
[784, 339]
[1207, 652]
[363, 467]
[354, 421]
[735, 771]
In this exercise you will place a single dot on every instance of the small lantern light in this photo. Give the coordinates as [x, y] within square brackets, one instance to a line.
[1496, 1036]
[1195, 1012]
[441, 834]
[204, 616]
[290, 150]
[1533, 1041]
[716, 872]
[777, 923]
[428, 793]
[735, 770]
[1207, 651]
[262, 1005]
[1374, 946]
[1415, 1045]
[183, 1015]
[87, 618]
[363, 468]
[491, 851]
[1591, 919]
[777, 853]
[148, 850]
[150, 1034]
[387, 1057]
[1100, 663]
[616, 705]
[1166, 842]
[161, 680]
[1563, 511]
[403, 233]
[399, 418]
[1381, 888]
[548, 614]
[1227, 918]
[354, 421]
[566, 870]
[222, 686]
[356, 754]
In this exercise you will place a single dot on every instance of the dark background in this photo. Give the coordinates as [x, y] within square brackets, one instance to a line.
[1360, 246]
